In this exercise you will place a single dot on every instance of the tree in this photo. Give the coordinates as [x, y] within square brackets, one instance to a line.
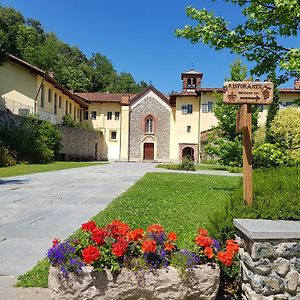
[257, 38]
[224, 142]
[286, 130]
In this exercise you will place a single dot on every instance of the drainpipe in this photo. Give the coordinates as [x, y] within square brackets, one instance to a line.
[37, 94]
[199, 128]
[120, 120]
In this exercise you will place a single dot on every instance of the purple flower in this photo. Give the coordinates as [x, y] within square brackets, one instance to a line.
[192, 258]
[216, 244]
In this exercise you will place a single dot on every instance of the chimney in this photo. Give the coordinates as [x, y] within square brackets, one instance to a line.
[297, 84]
[125, 99]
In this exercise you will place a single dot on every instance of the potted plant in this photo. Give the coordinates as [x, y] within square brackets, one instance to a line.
[117, 262]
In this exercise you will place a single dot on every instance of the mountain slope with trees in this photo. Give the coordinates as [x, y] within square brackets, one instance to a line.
[27, 39]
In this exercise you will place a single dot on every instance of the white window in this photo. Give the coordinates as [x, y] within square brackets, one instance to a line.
[42, 95]
[113, 135]
[149, 125]
[109, 115]
[93, 115]
[59, 102]
[187, 109]
[117, 115]
[188, 128]
[49, 95]
[207, 107]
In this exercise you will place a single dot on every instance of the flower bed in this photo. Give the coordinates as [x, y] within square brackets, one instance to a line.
[117, 262]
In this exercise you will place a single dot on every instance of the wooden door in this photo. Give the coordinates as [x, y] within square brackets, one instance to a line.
[148, 151]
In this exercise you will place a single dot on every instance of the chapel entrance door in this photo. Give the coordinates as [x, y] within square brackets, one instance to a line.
[148, 151]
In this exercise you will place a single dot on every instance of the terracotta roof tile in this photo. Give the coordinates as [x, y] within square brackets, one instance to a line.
[106, 97]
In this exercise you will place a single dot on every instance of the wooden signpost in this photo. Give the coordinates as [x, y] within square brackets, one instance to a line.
[247, 93]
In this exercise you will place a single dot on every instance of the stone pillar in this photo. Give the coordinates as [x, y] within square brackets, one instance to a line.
[270, 258]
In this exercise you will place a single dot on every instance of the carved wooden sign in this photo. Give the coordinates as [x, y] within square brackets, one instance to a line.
[248, 92]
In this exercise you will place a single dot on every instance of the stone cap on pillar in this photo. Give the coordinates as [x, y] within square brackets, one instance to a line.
[259, 229]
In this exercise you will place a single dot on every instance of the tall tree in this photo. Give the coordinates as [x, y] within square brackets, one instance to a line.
[257, 38]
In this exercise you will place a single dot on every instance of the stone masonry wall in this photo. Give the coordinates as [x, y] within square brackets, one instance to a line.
[79, 144]
[149, 106]
[270, 266]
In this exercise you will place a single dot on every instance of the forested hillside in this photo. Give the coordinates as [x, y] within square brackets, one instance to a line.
[27, 39]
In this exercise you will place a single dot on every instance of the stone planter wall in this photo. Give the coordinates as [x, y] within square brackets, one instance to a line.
[165, 284]
[270, 258]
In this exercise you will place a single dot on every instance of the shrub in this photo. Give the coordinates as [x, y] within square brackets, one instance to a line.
[7, 156]
[35, 140]
[270, 155]
[68, 121]
[276, 194]
[187, 164]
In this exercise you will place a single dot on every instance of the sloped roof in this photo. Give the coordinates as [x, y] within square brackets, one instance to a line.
[49, 78]
[150, 87]
[106, 97]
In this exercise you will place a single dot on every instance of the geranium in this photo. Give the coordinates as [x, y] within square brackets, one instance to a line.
[203, 241]
[169, 247]
[136, 235]
[117, 228]
[203, 232]
[232, 246]
[149, 246]
[155, 228]
[55, 242]
[90, 254]
[208, 252]
[172, 236]
[98, 235]
[89, 226]
[120, 247]
[226, 258]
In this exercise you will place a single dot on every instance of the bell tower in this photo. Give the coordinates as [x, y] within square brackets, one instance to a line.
[191, 80]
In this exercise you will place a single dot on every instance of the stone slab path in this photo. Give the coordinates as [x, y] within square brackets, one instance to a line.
[36, 208]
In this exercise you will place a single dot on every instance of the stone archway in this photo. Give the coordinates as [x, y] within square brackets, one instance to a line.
[188, 152]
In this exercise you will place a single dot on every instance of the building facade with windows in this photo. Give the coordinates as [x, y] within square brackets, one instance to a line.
[147, 126]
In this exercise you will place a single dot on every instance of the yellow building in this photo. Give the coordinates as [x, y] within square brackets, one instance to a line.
[147, 126]
[26, 89]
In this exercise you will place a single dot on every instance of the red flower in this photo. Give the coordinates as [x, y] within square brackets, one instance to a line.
[203, 232]
[120, 247]
[89, 226]
[149, 246]
[118, 228]
[55, 242]
[98, 235]
[226, 258]
[136, 235]
[169, 247]
[208, 252]
[155, 228]
[90, 254]
[172, 236]
[232, 246]
[203, 241]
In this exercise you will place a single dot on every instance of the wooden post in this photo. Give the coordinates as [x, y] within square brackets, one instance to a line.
[247, 154]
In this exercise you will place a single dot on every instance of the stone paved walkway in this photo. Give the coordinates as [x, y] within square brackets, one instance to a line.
[36, 208]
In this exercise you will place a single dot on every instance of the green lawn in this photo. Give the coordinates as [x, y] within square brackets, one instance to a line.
[179, 202]
[22, 169]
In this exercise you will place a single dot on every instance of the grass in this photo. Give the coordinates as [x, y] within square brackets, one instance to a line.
[179, 202]
[23, 169]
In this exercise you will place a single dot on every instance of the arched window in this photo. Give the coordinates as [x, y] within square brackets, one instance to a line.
[149, 125]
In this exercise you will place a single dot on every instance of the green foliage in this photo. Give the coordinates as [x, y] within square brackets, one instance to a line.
[270, 156]
[69, 121]
[37, 277]
[33, 140]
[187, 164]
[285, 130]
[7, 156]
[28, 40]
[276, 194]
[257, 38]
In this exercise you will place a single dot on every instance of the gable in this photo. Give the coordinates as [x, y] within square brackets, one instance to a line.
[150, 94]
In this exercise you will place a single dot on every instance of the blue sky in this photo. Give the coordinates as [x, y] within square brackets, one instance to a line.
[138, 36]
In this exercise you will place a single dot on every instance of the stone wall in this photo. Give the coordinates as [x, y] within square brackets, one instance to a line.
[80, 144]
[161, 116]
[270, 258]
